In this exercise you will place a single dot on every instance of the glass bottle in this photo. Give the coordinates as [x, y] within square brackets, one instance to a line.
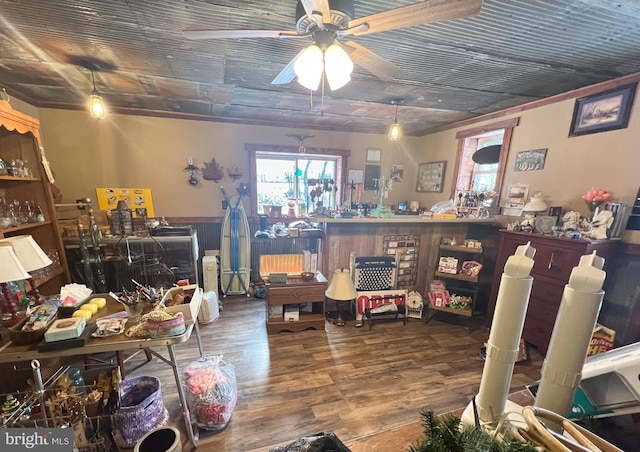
[40, 215]
[4, 167]
[77, 380]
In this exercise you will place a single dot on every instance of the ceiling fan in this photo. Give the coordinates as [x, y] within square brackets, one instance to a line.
[327, 22]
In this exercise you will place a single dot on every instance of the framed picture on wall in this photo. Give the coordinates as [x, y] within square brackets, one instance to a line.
[608, 110]
[374, 155]
[431, 177]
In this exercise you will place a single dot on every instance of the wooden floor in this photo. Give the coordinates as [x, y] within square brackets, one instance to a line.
[366, 386]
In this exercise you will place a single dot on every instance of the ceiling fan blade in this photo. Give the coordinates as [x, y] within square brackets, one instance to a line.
[417, 14]
[223, 34]
[321, 6]
[372, 62]
[287, 74]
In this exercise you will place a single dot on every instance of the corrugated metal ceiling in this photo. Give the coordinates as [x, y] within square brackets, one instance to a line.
[511, 53]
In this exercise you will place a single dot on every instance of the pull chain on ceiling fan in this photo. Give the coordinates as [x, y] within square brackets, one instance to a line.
[329, 21]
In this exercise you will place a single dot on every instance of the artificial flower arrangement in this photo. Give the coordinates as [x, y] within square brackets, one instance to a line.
[595, 197]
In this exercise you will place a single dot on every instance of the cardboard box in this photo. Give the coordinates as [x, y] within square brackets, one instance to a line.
[291, 313]
[189, 310]
[601, 340]
[63, 329]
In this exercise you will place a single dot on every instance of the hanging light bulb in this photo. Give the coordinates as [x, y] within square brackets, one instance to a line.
[338, 66]
[308, 67]
[395, 132]
[96, 106]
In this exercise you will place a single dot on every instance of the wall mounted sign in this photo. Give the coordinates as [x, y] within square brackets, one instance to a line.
[355, 176]
[530, 160]
[371, 177]
[136, 198]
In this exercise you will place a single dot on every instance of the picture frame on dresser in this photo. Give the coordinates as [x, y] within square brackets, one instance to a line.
[604, 111]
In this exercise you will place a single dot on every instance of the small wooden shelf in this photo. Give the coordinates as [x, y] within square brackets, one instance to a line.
[58, 271]
[463, 312]
[461, 249]
[20, 179]
[458, 276]
[26, 226]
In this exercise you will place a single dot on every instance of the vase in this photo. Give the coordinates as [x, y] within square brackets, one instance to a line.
[593, 209]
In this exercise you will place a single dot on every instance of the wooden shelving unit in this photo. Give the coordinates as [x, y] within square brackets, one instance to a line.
[20, 139]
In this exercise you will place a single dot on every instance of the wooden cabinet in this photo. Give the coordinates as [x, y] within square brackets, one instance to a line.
[463, 281]
[296, 292]
[20, 141]
[554, 260]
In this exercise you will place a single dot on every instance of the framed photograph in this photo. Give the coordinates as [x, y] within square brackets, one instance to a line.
[371, 177]
[397, 173]
[532, 160]
[518, 192]
[355, 176]
[608, 110]
[374, 155]
[431, 177]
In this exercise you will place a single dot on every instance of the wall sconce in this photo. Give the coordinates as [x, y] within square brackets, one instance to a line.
[395, 131]
[192, 167]
[96, 106]
[234, 173]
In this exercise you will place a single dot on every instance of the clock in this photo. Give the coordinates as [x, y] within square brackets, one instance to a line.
[544, 224]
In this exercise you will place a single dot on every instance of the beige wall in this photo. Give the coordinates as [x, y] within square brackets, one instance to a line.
[149, 152]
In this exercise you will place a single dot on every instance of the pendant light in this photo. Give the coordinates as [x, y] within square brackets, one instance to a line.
[96, 106]
[395, 131]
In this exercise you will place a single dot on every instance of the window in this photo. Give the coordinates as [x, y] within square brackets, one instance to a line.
[485, 179]
[289, 181]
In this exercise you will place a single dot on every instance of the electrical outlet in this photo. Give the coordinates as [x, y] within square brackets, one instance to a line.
[141, 211]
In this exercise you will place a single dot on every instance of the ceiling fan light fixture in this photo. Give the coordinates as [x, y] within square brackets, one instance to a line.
[96, 105]
[338, 67]
[395, 131]
[309, 67]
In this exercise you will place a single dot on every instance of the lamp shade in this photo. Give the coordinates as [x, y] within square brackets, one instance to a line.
[487, 154]
[10, 267]
[341, 287]
[535, 204]
[309, 67]
[28, 252]
[338, 66]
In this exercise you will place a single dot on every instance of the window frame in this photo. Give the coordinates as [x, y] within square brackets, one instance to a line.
[508, 125]
[254, 149]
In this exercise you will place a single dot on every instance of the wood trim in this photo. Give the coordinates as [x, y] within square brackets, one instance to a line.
[456, 170]
[507, 123]
[294, 149]
[574, 94]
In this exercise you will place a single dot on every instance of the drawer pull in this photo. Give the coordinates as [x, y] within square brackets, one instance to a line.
[551, 266]
[296, 294]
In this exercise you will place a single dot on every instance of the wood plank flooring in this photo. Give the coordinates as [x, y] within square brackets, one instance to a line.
[366, 386]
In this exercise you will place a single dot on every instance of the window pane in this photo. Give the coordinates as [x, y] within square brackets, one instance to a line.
[281, 180]
[275, 182]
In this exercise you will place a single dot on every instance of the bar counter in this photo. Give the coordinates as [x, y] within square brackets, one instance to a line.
[371, 236]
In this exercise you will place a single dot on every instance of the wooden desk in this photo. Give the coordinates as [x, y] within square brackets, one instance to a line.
[10, 352]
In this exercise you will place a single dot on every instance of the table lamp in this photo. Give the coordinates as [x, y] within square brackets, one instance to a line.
[341, 289]
[10, 270]
[31, 257]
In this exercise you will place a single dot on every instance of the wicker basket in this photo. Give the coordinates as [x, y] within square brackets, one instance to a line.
[141, 410]
[19, 337]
